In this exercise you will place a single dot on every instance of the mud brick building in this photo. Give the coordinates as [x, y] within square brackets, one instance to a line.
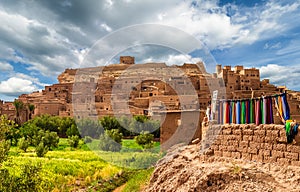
[127, 88]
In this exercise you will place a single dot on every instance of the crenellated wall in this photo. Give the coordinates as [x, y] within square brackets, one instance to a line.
[263, 143]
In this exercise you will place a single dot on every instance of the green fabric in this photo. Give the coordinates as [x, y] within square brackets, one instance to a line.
[287, 127]
[243, 119]
[262, 112]
[251, 112]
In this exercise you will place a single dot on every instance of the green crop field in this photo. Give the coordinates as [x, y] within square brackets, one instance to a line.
[68, 169]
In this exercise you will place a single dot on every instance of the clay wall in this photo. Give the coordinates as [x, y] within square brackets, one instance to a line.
[263, 143]
[174, 130]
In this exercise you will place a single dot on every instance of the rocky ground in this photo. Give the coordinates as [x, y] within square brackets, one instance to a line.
[185, 169]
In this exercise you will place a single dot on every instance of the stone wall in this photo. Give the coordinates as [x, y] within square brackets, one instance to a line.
[263, 143]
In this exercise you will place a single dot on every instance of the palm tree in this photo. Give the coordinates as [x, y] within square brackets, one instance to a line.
[19, 106]
[31, 108]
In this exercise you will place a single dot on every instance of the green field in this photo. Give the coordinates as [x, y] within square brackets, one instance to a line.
[68, 169]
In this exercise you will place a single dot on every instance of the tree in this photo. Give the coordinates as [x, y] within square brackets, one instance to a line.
[31, 108]
[89, 127]
[145, 139]
[141, 123]
[109, 123]
[19, 106]
[111, 140]
[5, 126]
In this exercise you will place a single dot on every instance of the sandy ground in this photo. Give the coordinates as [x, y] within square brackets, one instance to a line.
[185, 169]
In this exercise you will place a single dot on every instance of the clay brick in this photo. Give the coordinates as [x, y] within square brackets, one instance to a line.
[254, 145]
[217, 142]
[293, 148]
[269, 139]
[226, 131]
[252, 150]
[283, 161]
[255, 157]
[224, 142]
[246, 156]
[268, 159]
[295, 163]
[272, 133]
[229, 137]
[231, 148]
[258, 139]
[260, 132]
[244, 144]
[277, 154]
[264, 152]
[243, 149]
[222, 148]
[218, 153]
[279, 127]
[226, 154]
[234, 143]
[248, 132]
[237, 131]
[236, 155]
[247, 137]
[214, 147]
[279, 147]
[266, 146]
[291, 156]
[282, 139]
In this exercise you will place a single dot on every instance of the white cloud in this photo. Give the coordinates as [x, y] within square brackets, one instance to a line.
[281, 75]
[15, 86]
[181, 59]
[106, 27]
[6, 67]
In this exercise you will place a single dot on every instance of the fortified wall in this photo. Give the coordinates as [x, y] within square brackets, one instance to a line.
[263, 143]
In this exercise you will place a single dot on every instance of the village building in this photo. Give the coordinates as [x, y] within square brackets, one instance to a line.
[147, 89]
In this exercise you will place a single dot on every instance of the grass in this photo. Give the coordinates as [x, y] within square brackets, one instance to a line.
[139, 181]
[66, 169]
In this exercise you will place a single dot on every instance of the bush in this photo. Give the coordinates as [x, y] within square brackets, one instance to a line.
[41, 150]
[72, 131]
[145, 139]
[28, 180]
[73, 141]
[89, 127]
[23, 144]
[49, 139]
[88, 139]
[115, 135]
[111, 141]
[4, 148]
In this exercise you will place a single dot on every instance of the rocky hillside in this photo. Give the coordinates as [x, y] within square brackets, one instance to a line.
[186, 169]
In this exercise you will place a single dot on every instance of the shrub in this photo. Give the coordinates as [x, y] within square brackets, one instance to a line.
[49, 139]
[23, 144]
[89, 127]
[111, 141]
[115, 135]
[4, 148]
[73, 141]
[88, 139]
[28, 180]
[41, 150]
[72, 131]
[145, 139]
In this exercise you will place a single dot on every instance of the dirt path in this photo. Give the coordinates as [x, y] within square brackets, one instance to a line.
[119, 189]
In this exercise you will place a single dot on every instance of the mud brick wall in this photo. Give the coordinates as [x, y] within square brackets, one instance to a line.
[263, 143]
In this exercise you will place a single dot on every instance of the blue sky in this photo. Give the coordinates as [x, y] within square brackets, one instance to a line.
[39, 39]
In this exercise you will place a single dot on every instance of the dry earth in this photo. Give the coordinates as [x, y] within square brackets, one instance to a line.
[185, 169]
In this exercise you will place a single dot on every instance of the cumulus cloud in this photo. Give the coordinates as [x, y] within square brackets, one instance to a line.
[281, 75]
[49, 36]
[6, 66]
[15, 86]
